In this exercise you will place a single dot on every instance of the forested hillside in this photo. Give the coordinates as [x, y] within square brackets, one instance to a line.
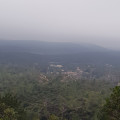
[56, 86]
[49, 97]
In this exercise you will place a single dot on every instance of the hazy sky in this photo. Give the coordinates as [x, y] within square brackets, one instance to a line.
[30, 19]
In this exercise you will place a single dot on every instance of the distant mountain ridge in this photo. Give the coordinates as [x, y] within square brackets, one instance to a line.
[43, 53]
[49, 48]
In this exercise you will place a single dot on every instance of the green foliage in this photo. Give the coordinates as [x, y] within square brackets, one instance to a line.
[7, 113]
[10, 108]
[53, 117]
[111, 109]
[71, 100]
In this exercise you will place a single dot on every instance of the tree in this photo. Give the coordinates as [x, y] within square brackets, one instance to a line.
[111, 109]
[53, 117]
[7, 113]
[10, 108]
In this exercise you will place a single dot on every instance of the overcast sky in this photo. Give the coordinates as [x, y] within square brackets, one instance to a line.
[30, 19]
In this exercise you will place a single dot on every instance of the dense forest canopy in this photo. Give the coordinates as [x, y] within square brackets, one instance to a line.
[45, 96]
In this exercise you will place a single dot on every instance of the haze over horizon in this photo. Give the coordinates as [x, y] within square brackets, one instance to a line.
[88, 21]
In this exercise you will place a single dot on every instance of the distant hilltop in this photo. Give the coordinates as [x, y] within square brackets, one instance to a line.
[52, 48]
